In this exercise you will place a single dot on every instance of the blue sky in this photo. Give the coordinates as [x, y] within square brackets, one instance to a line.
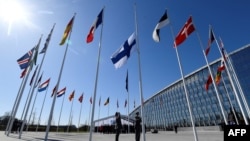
[159, 66]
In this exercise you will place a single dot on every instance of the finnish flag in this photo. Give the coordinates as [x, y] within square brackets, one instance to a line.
[120, 57]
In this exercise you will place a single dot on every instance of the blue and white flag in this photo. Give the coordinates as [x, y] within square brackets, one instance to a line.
[43, 86]
[120, 57]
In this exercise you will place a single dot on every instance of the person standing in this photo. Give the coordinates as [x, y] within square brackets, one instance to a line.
[137, 127]
[175, 129]
[118, 125]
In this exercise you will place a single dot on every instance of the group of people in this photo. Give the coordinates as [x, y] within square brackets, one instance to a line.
[137, 126]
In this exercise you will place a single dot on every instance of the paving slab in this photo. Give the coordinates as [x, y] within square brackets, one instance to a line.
[160, 136]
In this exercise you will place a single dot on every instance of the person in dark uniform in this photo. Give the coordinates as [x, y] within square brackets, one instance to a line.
[137, 127]
[118, 125]
[175, 129]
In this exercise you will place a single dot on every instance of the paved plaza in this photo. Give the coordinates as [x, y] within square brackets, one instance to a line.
[160, 136]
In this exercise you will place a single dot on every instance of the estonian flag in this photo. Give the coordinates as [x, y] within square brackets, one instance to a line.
[162, 22]
[120, 57]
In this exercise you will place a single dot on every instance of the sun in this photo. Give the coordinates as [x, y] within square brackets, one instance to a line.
[11, 11]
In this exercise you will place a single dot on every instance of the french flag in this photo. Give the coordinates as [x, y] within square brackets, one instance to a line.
[61, 92]
[43, 86]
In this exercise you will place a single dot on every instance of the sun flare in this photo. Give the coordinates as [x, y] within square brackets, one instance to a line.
[11, 11]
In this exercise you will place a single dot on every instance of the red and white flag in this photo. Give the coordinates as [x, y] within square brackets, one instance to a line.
[186, 30]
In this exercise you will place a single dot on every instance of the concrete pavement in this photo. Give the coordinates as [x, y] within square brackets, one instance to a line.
[160, 136]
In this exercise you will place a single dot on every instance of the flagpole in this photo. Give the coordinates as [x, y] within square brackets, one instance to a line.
[21, 93]
[230, 101]
[57, 85]
[239, 87]
[60, 114]
[128, 114]
[42, 108]
[89, 124]
[99, 116]
[96, 80]
[140, 77]
[238, 84]
[127, 88]
[232, 84]
[185, 89]
[18, 101]
[212, 77]
[25, 105]
[45, 52]
[33, 87]
[14, 105]
[80, 114]
[29, 95]
[31, 110]
[70, 112]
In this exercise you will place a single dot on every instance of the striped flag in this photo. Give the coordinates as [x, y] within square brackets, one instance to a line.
[43, 86]
[61, 92]
[162, 22]
[25, 59]
[67, 30]
[210, 40]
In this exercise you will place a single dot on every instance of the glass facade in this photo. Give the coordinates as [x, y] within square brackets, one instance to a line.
[169, 106]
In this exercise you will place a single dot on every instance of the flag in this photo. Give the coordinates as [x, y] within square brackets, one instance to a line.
[219, 71]
[126, 82]
[33, 76]
[61, 92]
[186, 30]
[117, 104]
[80, 98]
[23, 73]
[71, 96]
[209, 81]
[125, 105]
[210, 40]
[47, 41]
[120, 57]
[67, 30]
[39, 80]
[90, 100]
[34, 59]
[25, 59]
[43, 86]
[107, 102]
[99, 101]
[53, 91]
[222, 49]
[94, 26]
[162, 22]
